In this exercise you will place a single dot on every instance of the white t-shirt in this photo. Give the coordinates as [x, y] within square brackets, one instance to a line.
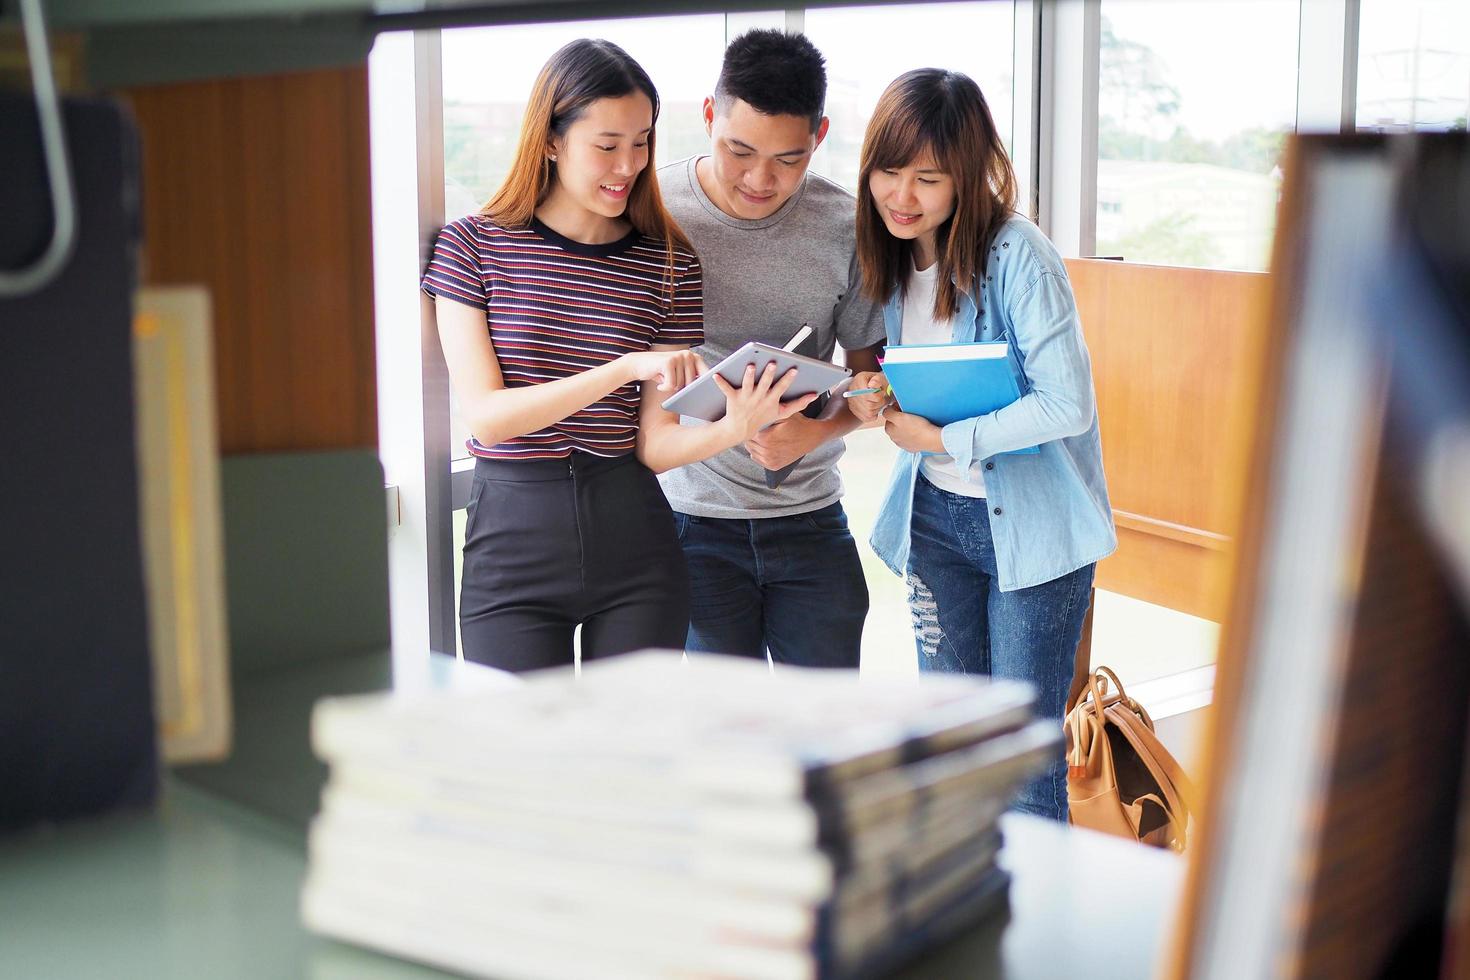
[920, 327]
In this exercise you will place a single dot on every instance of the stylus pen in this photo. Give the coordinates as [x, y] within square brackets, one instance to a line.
[867, 391]
[802, 334]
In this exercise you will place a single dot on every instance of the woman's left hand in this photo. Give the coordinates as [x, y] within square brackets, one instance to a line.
[912, 432]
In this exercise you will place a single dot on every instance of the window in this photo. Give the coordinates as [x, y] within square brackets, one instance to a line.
[868, 47]
[1194, 105]
[1201, 105]
[1413, 65]
[862, 59]
[487, 77]
[488, 74]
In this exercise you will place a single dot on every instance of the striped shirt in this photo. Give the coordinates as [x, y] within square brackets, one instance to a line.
[556, 307]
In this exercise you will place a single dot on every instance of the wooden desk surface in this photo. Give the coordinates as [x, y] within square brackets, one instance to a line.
[202, 888]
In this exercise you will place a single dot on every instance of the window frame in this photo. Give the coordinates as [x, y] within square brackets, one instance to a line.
[1326, 97]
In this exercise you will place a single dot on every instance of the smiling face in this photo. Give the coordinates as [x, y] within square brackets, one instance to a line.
[913, 201]
[757, 161]
[597, 161]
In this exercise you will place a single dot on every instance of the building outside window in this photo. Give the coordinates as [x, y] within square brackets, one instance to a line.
[1194, 105]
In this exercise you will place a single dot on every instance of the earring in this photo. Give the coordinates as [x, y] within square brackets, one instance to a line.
[552, 158]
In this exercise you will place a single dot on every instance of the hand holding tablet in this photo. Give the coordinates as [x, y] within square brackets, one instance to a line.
[703, 399]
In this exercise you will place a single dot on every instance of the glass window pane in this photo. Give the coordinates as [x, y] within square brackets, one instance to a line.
[868, 47]
[488, 73]
[1413, 65]
[1194, 104]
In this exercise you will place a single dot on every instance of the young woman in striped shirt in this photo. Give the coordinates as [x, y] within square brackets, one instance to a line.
[566, 308]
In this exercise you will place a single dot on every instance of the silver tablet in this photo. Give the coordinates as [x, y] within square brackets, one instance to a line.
[703, 399]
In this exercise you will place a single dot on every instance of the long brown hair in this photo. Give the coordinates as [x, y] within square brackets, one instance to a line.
[577, 75]
[945, 113]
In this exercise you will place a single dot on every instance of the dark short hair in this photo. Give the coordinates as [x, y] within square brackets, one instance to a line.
[774, 73]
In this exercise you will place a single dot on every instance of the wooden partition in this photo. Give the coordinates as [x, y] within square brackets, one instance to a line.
[258, 188]
[1167, 355]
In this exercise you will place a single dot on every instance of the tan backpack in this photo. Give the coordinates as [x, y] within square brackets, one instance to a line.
[1120, 778]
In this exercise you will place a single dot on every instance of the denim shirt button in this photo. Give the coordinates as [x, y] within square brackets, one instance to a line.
[990, 465]
[996, 512]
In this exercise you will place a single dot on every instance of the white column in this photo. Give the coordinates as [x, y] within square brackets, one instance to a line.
[1025, 108]
[1071, 32]
[404, 84]
[1327, 67]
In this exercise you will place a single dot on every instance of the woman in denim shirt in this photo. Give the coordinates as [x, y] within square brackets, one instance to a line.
[998, 549]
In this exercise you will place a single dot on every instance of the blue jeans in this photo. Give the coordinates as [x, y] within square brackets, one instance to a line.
[964, 623]
[791, 585]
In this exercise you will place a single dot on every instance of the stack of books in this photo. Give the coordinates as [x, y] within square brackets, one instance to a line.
[658, 818]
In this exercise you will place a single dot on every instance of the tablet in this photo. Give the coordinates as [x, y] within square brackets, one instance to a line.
[702, 399]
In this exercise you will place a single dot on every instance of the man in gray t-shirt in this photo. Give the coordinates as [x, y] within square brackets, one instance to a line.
[772, 568]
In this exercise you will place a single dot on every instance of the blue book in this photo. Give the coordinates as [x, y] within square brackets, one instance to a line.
[945, 383]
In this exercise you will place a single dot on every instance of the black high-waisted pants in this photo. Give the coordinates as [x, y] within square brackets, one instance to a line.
[550, 544]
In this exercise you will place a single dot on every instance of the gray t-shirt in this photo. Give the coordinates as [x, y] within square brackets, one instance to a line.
[762, 280]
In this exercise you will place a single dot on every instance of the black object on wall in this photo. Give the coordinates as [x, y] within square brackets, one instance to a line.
[76, 715]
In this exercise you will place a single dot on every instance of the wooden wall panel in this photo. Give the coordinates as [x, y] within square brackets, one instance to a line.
[1167, 573]
[1168, 347]
[259, 189]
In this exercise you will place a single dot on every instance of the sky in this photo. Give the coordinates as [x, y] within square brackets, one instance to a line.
[1233, 61]
[1391, 32]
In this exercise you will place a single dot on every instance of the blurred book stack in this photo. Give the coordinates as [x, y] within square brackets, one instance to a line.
[658, 818]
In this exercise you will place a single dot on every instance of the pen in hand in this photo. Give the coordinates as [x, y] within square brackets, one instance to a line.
[867, 391]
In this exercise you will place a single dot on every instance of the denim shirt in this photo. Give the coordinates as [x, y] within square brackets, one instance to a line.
[1049, 511]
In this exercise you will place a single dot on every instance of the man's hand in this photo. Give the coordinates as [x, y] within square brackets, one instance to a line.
[912, 432]
[865, 408]
[758, 402]
[785, 442]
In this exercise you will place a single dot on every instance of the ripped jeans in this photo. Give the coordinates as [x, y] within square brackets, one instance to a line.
[964, 623]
